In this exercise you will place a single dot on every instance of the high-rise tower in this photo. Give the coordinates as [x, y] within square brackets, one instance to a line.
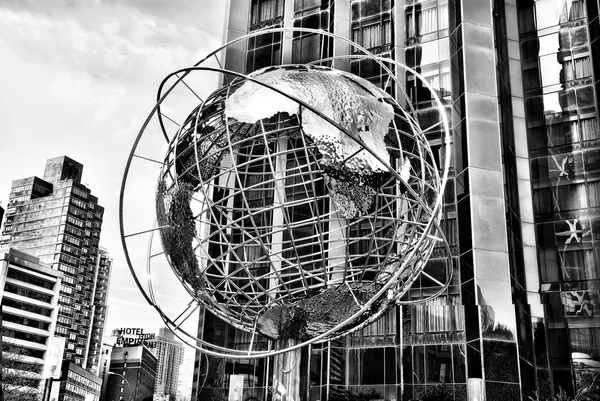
[519, 82]
[58, 220]
[100, 309]
[170, 357]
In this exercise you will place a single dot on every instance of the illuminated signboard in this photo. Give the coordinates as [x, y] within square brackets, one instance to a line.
[133, 336]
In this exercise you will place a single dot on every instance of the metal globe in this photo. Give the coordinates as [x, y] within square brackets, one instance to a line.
[298, 202]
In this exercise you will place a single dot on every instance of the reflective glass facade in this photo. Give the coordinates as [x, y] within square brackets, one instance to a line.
[559, 48]
[517, 79]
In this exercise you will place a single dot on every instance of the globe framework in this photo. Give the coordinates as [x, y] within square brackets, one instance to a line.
[299, 202]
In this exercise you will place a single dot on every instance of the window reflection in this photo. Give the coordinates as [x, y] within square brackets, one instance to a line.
[308, 47]
[265, 10]
[372, 27]
[554, 12]
[439, 363]
[550, 70]
[315, 366]
[426, 18]
[418, 365]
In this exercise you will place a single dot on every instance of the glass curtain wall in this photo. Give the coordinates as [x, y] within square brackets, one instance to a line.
[264, 50]
[313, 14]
[558, 44]
[433, 349]
[372, 28]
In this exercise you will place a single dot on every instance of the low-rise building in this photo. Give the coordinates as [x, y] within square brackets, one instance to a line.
[132, 375]
[75, 384]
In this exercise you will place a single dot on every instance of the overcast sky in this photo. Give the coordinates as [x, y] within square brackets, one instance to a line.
[78, 78]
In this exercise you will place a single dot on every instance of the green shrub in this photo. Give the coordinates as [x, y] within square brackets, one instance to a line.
[437, 393]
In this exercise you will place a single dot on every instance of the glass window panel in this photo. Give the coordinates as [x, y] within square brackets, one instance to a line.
[369, 68]
[427, 20]
[548, 44]
[572, 232]
[584, 346]
[407, 368]
[550, 70]
[409, 23]
[566, 100]
[264, 10]
[312, 21]
[458, 362]
[439, 363]
[582, 67]
[443, 18]
[550, 12]
[354, 366]
[579, 36]
[310, 49]
[370, 7]
[580, 303]
[373, 368]
[530, 51]
[593, 189]
[535, 107]
[577, 265]
[589, 129]
[576, 10]
[585, 96]
[570, 197]
[526, 18]
[315, 367]
[542, 200]
[356, 10]
[500, 361]
[564, 39]
[300, 5]
[551, 103]
[419, 364]
[592, 160]
[474, 359]
[428, 54]
[337, 366]
[390, 365]
[371, 36]
[566, 165]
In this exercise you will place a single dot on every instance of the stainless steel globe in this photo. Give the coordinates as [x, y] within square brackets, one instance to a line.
[299, 202]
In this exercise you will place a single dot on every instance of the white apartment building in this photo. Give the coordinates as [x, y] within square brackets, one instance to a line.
[29, 292]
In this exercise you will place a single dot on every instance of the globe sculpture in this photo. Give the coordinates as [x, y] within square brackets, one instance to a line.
[298, 202]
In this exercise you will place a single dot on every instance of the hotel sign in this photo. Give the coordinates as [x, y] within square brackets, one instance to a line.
[133, 336]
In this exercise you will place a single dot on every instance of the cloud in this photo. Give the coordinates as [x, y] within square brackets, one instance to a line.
[79, 78]
[106, 41]
[160, 295]
[124, 303]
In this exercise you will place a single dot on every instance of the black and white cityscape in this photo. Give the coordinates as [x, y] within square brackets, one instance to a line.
[307, 200]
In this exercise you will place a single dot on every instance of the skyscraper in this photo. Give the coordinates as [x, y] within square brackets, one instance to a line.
[100, 309]
[58, 220]
[1, 215]
[519, 84]
[170, 357]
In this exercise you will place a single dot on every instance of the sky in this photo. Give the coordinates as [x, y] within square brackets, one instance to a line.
[79, 77]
